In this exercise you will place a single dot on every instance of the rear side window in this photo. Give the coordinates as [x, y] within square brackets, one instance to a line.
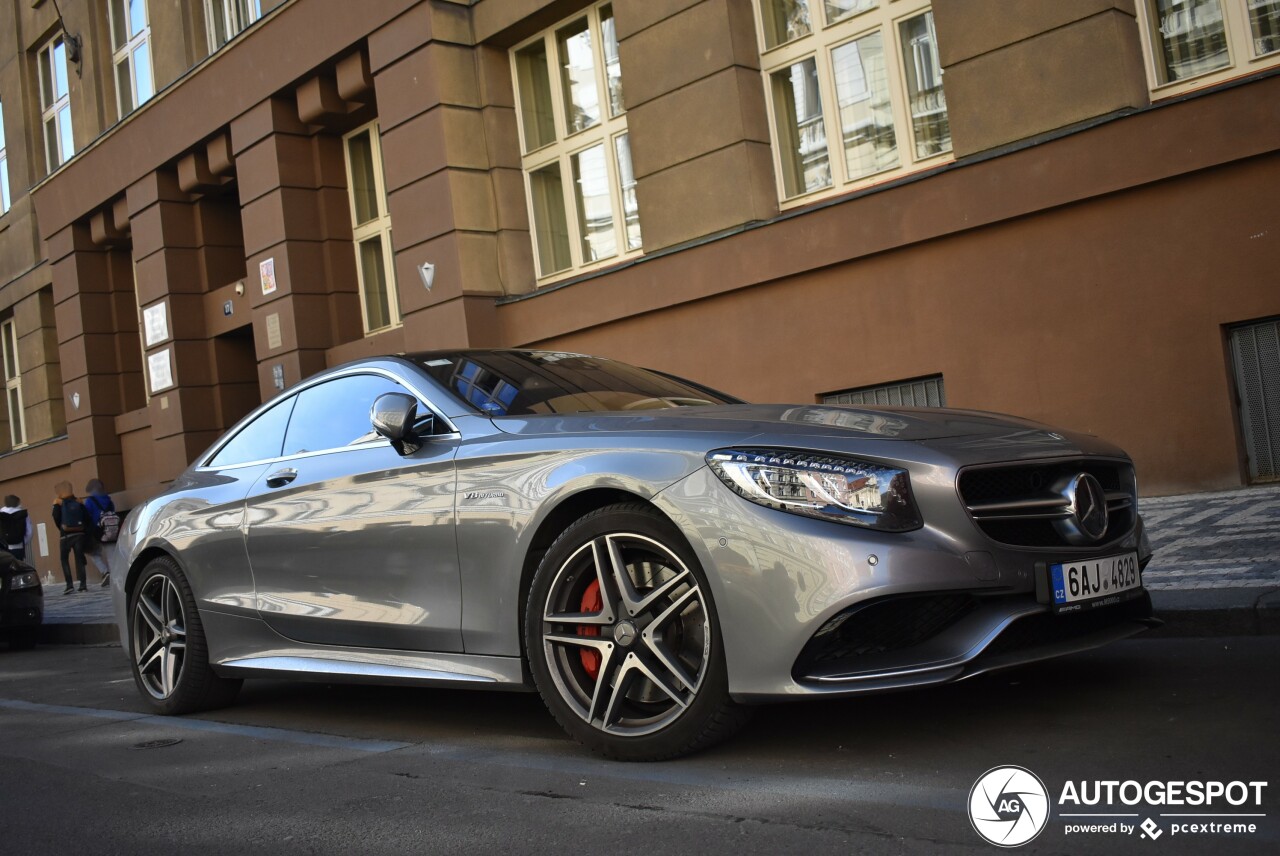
[259, 440]
[335, 414]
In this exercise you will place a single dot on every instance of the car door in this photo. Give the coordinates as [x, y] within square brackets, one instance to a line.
[350, 543]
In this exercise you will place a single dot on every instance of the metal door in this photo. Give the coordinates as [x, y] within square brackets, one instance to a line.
[1255, 349]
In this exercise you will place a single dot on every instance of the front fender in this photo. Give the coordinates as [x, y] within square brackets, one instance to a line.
[503, 502]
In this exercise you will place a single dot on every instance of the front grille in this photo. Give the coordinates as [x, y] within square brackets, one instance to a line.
[883, 626]
[1022, 504]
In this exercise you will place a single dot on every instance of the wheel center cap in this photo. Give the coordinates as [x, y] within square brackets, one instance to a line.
[625, 633]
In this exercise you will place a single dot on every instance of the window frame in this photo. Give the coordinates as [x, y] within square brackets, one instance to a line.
[379, 226]
[1241, 61]
[566, 145]
[128, 52]
[823, 40]
[6, 197]
[46, 58]
[13, 383]
[446, 430]
[229, 12]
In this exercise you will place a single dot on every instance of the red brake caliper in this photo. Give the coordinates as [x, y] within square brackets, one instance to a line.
[591, 602]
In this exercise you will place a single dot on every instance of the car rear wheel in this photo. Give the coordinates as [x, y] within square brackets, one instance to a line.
[623, 640]
[167, 646]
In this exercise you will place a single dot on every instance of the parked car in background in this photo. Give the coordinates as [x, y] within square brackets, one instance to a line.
[650, 555]
[21, 602]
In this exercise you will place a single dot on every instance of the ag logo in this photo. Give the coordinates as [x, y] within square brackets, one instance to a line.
[1008, 806]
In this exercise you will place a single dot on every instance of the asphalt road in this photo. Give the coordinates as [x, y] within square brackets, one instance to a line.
[311, 768]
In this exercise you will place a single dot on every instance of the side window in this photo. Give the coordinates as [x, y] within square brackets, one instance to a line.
[258, 440]
[336, 413]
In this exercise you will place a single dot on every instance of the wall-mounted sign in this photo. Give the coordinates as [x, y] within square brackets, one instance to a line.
[273, 331]
[155, 322]
[75, 400]
[277, 375]
[160, 367]
[228, 309]
[267, 274]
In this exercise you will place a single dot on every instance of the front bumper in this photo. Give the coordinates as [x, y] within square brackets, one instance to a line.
[22, 608]
[933, 639]
[780, 580]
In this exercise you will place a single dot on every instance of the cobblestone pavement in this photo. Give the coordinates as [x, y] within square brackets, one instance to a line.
[1204, 540]
[81, 607]
[1214, 540]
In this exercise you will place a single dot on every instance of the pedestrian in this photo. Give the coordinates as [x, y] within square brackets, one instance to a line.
[15, 527]
[98, 502]
[72, 520]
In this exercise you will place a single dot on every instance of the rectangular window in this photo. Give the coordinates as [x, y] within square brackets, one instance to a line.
[5, 201]
[855, 92]
[55, 104]
[13, 384]
[226, 18]
[577, 158]
[1194, 43]
[131, 54]
[371, 229]
[921, 392]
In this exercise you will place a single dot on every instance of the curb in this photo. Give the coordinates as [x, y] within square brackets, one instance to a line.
[1217, 612]
[78, 634]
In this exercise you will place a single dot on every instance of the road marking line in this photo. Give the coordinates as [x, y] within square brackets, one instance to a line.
[281, 735]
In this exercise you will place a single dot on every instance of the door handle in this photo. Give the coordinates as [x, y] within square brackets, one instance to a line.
[280, 478]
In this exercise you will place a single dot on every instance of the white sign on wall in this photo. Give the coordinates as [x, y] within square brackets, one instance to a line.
[161, 369]
[155, 321]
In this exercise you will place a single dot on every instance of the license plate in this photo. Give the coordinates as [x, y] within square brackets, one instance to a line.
[1094, 582]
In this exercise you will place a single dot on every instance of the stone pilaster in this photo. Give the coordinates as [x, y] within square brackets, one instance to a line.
[87, 328]
[296, 217]
[173, 269]
[696, 118]
[1016, 70]
[455, 190]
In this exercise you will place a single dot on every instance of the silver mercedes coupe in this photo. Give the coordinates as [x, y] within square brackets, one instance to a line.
[652, 556]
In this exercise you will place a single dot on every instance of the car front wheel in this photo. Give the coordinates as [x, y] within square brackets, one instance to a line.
[167, 646]
[623, 640]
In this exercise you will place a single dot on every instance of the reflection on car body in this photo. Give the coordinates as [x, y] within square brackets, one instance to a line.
[650, 555]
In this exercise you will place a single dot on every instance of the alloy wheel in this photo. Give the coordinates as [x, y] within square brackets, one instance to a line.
[626, 634]
[159, 636]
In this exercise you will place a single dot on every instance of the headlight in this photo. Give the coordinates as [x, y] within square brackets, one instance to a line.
[845, 490]
[30, 579]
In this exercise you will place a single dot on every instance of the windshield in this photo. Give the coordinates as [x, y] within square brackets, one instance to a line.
[524, 383]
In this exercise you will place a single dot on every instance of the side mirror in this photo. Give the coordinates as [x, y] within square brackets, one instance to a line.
[395, 416]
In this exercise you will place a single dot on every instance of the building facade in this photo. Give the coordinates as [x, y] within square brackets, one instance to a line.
[1067, 211]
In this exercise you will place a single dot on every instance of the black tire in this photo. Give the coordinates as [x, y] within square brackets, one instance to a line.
[191, 685]
[23, 638]
[662, 665]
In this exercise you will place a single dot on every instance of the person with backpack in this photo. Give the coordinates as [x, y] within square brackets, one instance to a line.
[72, 520]
[105, 526]
[15, 527]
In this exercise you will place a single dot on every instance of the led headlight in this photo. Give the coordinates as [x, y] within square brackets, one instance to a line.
[24, 581]
[845, 490]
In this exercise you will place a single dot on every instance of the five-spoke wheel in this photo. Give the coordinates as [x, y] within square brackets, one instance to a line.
[622, 638]
[167, 645]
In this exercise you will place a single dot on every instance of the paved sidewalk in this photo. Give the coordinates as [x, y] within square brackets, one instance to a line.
[1216, 570]
[1214, 540]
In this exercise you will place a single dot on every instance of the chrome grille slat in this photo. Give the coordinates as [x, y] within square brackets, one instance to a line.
[1018, 504]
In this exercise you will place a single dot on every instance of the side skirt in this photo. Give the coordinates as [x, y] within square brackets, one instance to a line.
[245, 647]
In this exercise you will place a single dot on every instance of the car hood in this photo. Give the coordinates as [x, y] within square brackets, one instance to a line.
[785, 420]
